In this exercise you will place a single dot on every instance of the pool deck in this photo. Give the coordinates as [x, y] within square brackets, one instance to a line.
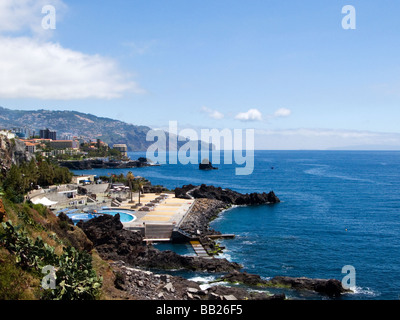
[169, 211]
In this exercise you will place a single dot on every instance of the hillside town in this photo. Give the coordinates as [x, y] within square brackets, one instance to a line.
[47, 144]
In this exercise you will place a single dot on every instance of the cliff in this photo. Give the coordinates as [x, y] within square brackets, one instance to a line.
[12, 151]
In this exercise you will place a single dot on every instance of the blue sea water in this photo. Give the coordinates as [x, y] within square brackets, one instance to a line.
[338, 208]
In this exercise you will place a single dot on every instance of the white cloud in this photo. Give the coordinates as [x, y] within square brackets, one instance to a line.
[31, 67]
[251, 115]
[44, 70]
[214, 114]
[282, 112]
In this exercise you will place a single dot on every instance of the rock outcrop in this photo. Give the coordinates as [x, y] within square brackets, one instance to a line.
[197, 221]
[226, 195]
[115, 243]
[329, 287]
[244, 278]
[75, 236]
[146, 285]
[12, 151]
[206, 165]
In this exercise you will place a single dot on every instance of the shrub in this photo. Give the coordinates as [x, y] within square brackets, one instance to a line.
[13, 281]
[75, 276]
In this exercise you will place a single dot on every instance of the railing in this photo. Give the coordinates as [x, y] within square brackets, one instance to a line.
[186, 215]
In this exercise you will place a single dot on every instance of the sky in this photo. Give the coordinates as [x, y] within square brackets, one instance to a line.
[287, 69]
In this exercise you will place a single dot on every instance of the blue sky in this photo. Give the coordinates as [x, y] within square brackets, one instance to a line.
[285, 68]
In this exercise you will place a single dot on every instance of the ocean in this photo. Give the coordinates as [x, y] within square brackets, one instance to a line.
[338, 208]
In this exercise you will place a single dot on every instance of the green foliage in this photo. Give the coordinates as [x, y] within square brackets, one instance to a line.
[100, 151]
[24, 177]
[41, 209]
[13, 281]
[24, 213]
[29, 254]
[75, 277]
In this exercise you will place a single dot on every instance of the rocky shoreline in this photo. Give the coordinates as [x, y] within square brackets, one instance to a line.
[102, 164]
[148, 285]
[132, 259]
[113, 242]
[210, 201]
[227, 196]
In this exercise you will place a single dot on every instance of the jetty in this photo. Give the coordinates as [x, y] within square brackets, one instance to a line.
[221, 236]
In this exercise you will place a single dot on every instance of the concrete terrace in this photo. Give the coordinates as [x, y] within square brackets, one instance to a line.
[169, 210]
[158, 216]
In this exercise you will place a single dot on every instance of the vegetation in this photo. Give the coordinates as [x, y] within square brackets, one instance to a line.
[15, 284]
[23, 178]
[98, 149]
[130, 178]
[135, 183]
[32, 237]
[75, 277]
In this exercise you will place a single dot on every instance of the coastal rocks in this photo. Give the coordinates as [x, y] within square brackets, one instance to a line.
[146, 285]
[73, 234]
[330, 287]
[101, 164]
[245, 278]
[206, 165]
[230, 293]
[203, 211]
[115, 243]
[156, 259]
[226, 195]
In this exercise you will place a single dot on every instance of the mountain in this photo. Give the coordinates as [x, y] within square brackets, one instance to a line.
[73, 123]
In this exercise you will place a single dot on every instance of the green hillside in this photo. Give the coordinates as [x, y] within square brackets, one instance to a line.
[73, 123]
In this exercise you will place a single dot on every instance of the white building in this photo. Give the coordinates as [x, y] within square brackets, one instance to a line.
[7, 133]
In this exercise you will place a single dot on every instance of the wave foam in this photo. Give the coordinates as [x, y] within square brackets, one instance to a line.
[202, 279]
[364, 291]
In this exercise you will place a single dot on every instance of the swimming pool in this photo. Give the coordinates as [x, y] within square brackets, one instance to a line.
[124, 216]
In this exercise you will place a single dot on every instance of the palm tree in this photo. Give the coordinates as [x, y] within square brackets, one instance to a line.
[140, 188]
[130, 178]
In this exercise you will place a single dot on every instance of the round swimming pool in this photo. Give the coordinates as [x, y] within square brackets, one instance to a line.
[124, 216]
